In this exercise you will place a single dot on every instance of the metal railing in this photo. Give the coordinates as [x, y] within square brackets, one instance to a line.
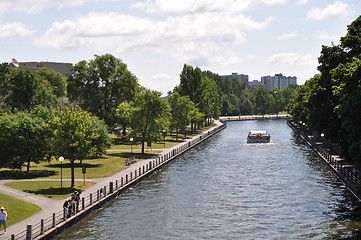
[349, 174]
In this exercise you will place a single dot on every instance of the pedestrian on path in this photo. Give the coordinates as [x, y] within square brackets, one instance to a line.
[3, 216]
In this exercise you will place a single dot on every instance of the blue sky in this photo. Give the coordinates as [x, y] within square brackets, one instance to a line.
[156, 37]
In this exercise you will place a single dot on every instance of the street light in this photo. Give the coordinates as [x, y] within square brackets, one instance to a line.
[164, 135]
[131, 146]
[61, 159]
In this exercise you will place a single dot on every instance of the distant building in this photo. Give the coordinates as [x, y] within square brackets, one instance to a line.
[63, 68]
[278, 81]
[255, 84]
[240, 77]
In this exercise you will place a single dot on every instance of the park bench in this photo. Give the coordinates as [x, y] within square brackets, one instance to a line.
[129, 161]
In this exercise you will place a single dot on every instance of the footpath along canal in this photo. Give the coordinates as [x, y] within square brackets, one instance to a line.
[227, 189]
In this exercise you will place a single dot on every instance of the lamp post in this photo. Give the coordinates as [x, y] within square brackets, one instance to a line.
[131, 146]
[61, 159]
[164, 135]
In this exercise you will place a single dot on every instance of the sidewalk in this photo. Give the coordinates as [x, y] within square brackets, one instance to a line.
[50, 206]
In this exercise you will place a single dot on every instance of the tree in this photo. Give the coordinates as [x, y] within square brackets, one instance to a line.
[23, 139]
[190, 83]
[100, 85]
[56, 80]
[262, 100]
[77, 136]
[298, 104]
[25, 90]
[349, 109]
[147, 115]
[210, 100]
[352, 41]
[181, 110]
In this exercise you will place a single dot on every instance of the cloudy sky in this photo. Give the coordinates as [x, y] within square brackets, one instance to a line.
[156, 37]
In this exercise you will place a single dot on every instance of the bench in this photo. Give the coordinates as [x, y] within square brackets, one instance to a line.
[129, 161]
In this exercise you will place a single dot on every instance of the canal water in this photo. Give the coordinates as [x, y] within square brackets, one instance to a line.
[227, 189]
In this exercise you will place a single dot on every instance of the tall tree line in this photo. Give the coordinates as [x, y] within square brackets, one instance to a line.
[330, 102]
[233, 97]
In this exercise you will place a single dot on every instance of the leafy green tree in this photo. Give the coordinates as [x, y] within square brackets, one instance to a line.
[100, 85]
[246, 107]
[191, 83]
[25, 90]
[123, 116]
[210, 99]
[77, 136]
[351, 43]
[197, 117]
[56, 80]
[349, 109]
[181, 110]
[23, 139]
[147, 115]
[4, 71]
[298, 104]
[262, 100]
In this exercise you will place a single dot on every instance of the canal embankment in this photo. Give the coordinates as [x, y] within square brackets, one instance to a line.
[109, 189]
[346, 171]
[253, 117]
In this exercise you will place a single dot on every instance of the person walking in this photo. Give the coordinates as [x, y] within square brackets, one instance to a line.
[3, 216]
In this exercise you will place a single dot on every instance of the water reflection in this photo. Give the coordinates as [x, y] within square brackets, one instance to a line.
[225, 189]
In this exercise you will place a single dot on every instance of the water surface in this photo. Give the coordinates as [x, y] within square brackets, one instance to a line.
[227, 189]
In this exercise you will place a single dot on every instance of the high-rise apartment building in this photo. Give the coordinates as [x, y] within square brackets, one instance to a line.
[240, 77]
[278, 81]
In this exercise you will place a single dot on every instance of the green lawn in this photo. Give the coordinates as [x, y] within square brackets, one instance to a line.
[107, 165]
[16, 209]
[49, 189]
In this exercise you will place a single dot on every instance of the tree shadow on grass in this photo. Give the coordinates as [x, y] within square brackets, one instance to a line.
[17, 174]
[174, 140]
[48, 192]
[134, 155]
[76, 165]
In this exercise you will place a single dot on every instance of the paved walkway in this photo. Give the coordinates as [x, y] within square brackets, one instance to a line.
[50, 206]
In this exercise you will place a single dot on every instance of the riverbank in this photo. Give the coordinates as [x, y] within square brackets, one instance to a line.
[253, 117]
[51, 220]
[347, 172]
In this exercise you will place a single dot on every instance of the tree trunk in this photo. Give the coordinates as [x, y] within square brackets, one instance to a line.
[142, 146]
[72, 174]
[28, 166]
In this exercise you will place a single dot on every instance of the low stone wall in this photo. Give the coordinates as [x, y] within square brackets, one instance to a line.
[253, 117]
[56, 223]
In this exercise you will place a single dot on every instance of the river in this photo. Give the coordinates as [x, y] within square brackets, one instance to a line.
[227, 189]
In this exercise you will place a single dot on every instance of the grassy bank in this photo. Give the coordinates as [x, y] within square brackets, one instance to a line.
[50, 189]
[17, 209]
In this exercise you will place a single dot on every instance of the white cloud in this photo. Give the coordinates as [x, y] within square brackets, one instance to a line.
[291, 58]
[15, 30]
[338, 9]
[302, 2]
[197, 38]
[328, 36]
[176, 7]
[286, 36]
[35, 6]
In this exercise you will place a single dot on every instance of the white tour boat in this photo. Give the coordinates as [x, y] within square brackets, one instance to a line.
[258, 137]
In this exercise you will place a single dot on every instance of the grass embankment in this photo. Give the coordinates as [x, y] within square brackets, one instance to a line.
[17, 209]
[50, 189]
